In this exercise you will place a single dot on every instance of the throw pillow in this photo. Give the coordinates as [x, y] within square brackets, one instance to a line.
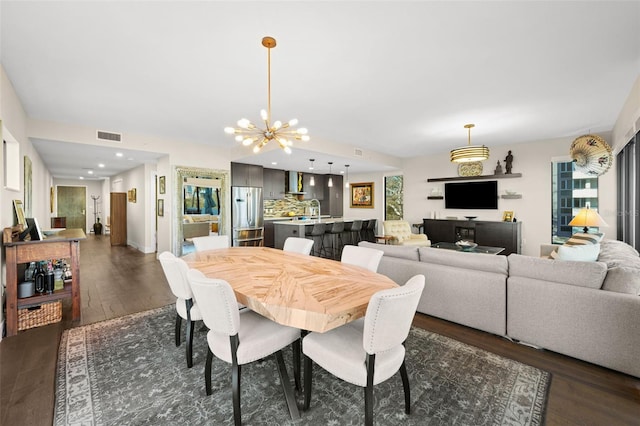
[580, 253]
[581, 238]
[622, 279]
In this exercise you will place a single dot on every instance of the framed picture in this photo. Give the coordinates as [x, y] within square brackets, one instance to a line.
[507, 216]
[19, 210]
[160, 207]
[362, 195]
[161, 185]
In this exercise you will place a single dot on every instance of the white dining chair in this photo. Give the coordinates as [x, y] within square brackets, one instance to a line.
[211, 242]
[298, 245]
[365, 257]
[240, 337]
[368, 354]
[175, 270]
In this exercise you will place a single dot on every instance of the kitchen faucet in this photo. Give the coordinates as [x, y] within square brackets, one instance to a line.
[318, 202]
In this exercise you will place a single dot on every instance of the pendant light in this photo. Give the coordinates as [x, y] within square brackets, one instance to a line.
[469, 153]
[312, 181]
[346, 185]
[330, 184]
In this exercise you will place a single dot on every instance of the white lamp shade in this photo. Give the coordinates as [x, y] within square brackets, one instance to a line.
[587, 217]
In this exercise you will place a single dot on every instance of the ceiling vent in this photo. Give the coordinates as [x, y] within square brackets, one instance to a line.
[357, 152]
[109, 136]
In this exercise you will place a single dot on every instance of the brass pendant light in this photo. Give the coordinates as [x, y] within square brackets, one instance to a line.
[469, 153]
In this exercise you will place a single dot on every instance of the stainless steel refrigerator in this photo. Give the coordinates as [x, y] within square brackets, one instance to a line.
[246, 216]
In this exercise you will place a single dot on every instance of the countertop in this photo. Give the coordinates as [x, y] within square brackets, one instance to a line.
[313, 221]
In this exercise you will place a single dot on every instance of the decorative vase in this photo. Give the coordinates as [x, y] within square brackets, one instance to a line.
[97, 227]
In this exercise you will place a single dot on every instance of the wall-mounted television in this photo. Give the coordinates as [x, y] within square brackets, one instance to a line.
[471, 195]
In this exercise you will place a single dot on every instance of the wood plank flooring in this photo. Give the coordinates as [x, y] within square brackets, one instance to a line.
[120, 280]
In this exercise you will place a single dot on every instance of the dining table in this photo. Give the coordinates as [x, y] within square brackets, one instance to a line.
[306, 292]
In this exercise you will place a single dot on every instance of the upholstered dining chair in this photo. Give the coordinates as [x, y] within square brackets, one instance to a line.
[210, 242]
[240, 337]
[365, 257]
[298, 245]
[175, 270]
[369, 353]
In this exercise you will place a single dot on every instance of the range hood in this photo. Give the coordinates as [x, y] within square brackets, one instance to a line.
[294, 183]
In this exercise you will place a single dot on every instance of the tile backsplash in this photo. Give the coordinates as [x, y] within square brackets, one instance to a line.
[290, 203]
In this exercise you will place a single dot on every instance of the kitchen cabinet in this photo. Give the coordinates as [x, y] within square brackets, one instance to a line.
[316, 191]
[273, 184]
[332, 203]
[246, 175]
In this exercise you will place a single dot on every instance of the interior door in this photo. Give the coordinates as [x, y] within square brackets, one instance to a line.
[72, 204]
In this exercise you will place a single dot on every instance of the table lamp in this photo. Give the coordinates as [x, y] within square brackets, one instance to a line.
[587, 217]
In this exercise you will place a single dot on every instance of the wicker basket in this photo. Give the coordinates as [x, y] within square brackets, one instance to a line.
[35, 316]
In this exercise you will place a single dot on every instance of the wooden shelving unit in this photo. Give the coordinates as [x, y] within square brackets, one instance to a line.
[435, 197]
[45, 298]
[485, 177]
[511, 196]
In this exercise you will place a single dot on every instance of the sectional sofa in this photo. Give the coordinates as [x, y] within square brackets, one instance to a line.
[586, 310]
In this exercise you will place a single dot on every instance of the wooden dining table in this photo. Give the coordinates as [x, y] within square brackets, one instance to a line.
[306, 292]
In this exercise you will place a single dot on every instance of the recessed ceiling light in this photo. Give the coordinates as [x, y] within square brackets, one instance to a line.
[90, 172]
[273, 163]
[81, 177]
[119, 154]
[101, 165]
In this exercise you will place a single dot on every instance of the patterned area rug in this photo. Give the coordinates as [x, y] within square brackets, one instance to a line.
[128, 371]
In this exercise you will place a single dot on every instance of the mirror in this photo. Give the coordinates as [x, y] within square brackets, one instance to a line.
[202, 206]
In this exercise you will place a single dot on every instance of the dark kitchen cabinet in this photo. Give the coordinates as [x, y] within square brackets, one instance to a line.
[333, 196]
[273, 184]
[316, 191]
[246, 175]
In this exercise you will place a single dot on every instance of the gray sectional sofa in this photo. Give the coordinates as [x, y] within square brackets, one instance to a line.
[586, 310]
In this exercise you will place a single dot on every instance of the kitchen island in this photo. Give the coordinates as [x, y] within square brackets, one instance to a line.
[296, 228]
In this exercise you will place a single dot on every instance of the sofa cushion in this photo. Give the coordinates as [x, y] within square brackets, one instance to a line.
[622, 279]
[582, 274]
[617, 253]
[475, 261]
[580, 253]
[402, 252]
[580, 238]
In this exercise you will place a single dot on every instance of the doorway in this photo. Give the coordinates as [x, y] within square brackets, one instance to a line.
[72, 204]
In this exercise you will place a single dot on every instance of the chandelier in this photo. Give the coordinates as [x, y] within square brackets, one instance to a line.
[249, 134]
[466, 154]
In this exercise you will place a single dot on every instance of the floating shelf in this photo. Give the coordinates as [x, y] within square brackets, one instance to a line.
[511, 197]
[485, 177]
[435, 197]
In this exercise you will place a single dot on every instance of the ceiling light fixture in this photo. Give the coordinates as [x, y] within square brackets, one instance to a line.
[346, 185]
[330, 184]
[469, 153]
[248, 133]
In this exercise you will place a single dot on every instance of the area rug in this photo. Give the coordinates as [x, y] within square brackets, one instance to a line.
[128, 371]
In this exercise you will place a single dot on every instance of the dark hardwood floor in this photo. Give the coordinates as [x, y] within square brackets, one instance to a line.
[119, 280]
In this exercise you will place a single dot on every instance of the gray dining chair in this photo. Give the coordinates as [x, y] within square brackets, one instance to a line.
[241, 337]
[365, 257]
[210, 242]
[175, 270]
[369, 353]
[298, 245]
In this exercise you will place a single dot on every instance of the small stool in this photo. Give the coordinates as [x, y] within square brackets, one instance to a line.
[316, 233]
[363, 230]
[354, 232]
[371, 231]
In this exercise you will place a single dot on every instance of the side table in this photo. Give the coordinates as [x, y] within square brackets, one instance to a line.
[387, 239]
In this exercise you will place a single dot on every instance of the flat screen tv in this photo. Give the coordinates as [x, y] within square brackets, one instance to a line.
[471, 195]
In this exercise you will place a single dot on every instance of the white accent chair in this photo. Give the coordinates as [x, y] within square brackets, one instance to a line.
[298, 245]
[366, 354]
[175, 270]
[211, 242]
[362, 256]
[401, 231]
[241, 337]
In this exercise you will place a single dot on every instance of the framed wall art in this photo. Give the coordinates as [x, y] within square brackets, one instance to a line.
[160, 207]
[362, 195]
[507, 216]
[161, 185]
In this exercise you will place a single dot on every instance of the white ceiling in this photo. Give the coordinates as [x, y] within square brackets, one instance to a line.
[396, 77]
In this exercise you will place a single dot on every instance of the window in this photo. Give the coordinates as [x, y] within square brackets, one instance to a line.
[571, 192]
[628, 222]
[393, 198]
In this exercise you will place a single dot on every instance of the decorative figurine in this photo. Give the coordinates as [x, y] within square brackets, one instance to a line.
[508, 161]
[498, 170]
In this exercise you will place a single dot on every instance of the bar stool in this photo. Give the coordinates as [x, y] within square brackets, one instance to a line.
[354, 232]
[316, 232]
[335, 237]
[363, 230]
[371, 230]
